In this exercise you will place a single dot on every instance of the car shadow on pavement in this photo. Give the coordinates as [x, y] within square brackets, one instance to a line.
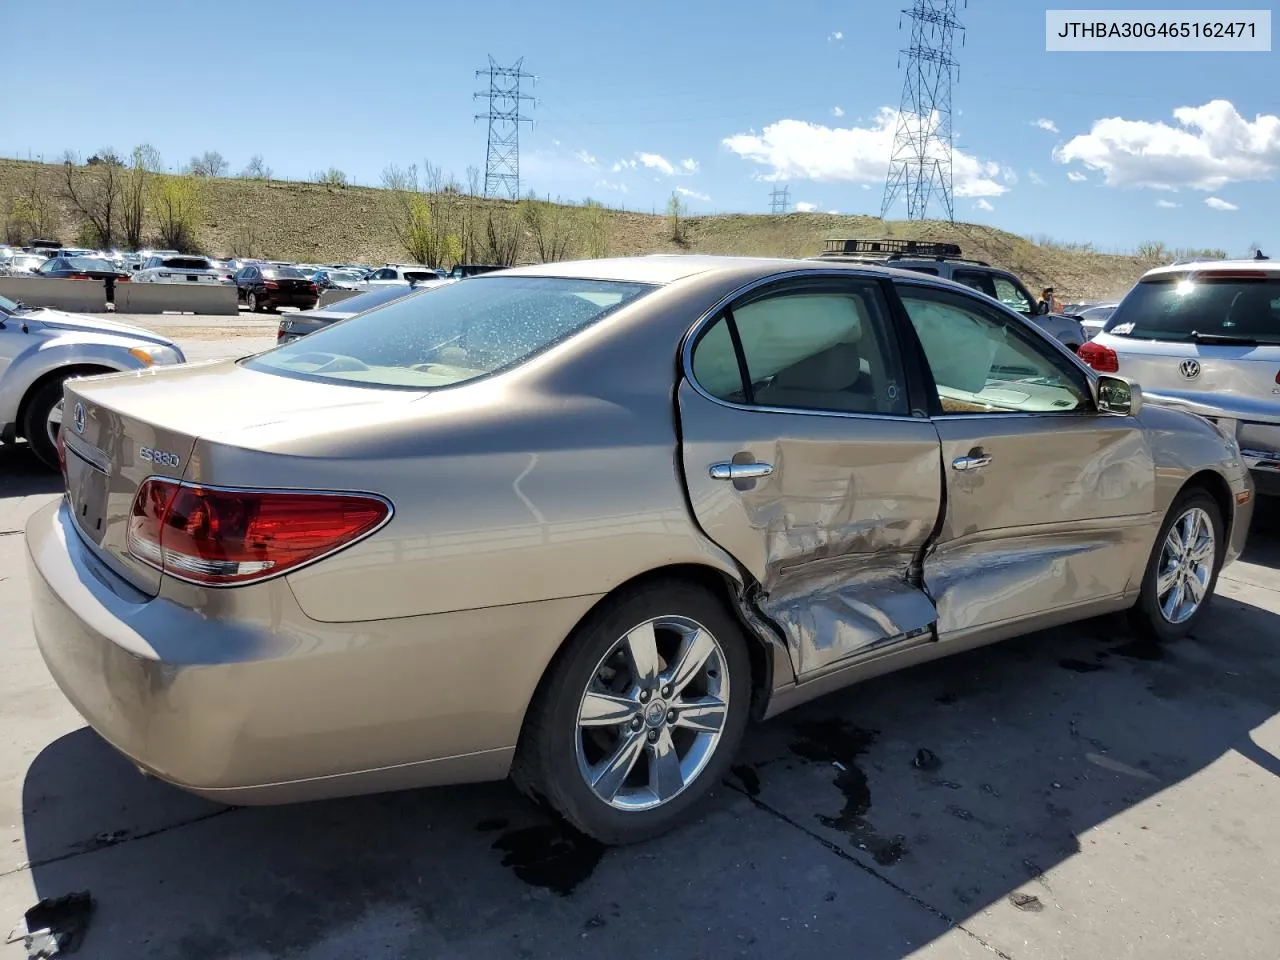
[885, 815]
[22, 475]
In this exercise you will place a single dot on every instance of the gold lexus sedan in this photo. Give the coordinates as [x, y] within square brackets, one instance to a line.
[577, 523]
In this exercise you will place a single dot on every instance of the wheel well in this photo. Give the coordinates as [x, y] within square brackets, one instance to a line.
[1218, 488]
[61, 373]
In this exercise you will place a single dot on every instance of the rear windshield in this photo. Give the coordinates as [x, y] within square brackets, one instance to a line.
[186, 263]
[449, 335]
[1189, 307]
[89, 263]
[417, 276]
[367, 301]
[283, 273]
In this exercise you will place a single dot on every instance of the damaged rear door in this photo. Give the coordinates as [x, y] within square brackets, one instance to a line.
[803, 460]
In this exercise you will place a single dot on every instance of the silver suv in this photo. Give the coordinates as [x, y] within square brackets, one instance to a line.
[41, 349]
[1205, 337]
[945, 260]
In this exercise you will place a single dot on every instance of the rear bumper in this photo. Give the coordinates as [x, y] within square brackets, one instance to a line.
[272, 707]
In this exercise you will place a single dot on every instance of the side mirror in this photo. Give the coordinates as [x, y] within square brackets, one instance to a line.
[1118, 396]
[1042, 308]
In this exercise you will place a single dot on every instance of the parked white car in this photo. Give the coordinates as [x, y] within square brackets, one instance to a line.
[401, 274]
[20, 264]
[180, 268]
[41, 349]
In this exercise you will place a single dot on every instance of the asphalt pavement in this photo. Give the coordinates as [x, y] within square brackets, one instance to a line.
[1069, 794]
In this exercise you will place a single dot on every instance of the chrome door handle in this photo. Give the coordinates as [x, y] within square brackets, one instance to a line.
[740, 471]
[971, 462]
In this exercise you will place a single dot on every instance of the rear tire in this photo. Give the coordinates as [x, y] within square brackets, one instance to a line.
[38, 424]
[657, 681]
[1182, 571]
[254, 306]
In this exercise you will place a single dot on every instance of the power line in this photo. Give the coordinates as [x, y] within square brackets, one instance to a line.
[780, 200]
[920, 163]
[502, 159]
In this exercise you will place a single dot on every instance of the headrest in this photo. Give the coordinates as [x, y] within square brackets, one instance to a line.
[831, 370]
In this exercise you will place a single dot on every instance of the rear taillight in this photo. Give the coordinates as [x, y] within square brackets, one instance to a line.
[79, 276]
[122, 279]
[311, 287]
[1278, 376]
[271, 285]
[229, 537]
[1101, 358]
[62, 455]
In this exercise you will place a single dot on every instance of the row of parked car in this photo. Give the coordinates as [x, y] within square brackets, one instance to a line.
[664, 495]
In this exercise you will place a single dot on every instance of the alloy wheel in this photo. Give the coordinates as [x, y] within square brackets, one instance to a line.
[1187, 559]
[653, 713]
[53, 423]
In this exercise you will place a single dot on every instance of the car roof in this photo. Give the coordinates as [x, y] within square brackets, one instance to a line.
[1217, 266]
[669, 268]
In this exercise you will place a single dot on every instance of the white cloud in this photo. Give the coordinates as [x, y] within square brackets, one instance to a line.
[611, 185]
[834, 212]
[837, 111]
[689, 165]
[805, 206]
[836, 36]
[656, 161]
[1211, 146]
[866, 186]
[1044, 124]
[1215, 203]
[1167, 204]
[555, 143]
[623, 165]
[798, 150]
[693, 194]
[586, 158]
[1076, 177]
[983, 205]
[1035, 178]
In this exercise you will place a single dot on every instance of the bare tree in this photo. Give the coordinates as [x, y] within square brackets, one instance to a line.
[144, 163]
[474, 181]
[550, 227]
[33, 212]
[502, 235]
[595, 229]
[256, 169]
[247, 243]
[94, 193]
[333, 177]
[208, 164]
[675, 216]
[407, 211]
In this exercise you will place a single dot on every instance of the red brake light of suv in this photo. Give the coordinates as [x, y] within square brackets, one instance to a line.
[218, 537]
[1101, 358]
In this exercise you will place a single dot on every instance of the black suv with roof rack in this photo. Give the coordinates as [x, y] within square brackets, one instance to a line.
[946, 260]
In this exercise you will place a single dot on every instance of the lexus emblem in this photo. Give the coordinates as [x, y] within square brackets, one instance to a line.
[78, 418]
[1189, 369]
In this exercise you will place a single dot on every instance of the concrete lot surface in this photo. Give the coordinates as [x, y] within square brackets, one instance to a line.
[1070, 794]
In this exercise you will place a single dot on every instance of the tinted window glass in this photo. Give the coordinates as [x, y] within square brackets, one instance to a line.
[88, 263]
[977, 280]
[283, 273]
[983, 362]
[449, 335]
[1176, 306]
[1011, 295]
[813, 349]
[367, 301]
[186, 263]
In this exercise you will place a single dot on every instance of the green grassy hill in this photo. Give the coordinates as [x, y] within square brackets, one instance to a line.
[314, 222]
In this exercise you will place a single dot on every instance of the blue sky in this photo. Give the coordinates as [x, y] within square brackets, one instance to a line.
[627, 94]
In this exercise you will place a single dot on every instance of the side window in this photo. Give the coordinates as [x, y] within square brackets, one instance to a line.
[1012, 295]
[931, 271]
[824, 347]
[977, 280]
[985, 363]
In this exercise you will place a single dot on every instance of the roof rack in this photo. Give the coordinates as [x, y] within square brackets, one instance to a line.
[895, 250]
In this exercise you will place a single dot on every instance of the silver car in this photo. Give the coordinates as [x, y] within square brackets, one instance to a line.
[1205, 337]
[40, 349]
[183, 268]
[579, 522]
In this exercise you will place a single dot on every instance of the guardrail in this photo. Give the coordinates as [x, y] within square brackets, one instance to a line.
[330, 297]
[206, 298]
[76, 296]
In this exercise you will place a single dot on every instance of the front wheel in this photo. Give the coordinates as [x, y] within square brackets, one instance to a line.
[640, 715]
[1182, 571]
[43, 421]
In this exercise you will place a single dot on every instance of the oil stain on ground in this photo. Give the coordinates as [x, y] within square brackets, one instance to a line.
[1078, 666]
[553, 855]
[839, 743]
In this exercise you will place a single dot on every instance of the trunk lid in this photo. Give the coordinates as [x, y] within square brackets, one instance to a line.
[120, 429]
[1236, 381]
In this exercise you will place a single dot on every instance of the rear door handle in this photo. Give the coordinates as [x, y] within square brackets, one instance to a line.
[971, 462]
[740, 471]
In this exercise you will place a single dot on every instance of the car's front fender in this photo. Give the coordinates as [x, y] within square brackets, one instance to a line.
[43, 356]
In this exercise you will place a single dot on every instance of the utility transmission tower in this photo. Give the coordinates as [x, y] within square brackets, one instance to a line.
[920, 164]
[780, 200]
[502, 161]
